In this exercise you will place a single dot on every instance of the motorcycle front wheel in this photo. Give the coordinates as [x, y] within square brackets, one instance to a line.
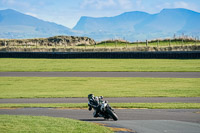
[112, 114]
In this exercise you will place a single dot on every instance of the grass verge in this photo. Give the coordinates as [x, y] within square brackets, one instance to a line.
[114, 105]
[43, 124]
[151, 43]
[134, 65]
[47, 87]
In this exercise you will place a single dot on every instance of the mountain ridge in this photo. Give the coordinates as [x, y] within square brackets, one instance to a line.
[131, 26]
[166, 23]
[23, 24]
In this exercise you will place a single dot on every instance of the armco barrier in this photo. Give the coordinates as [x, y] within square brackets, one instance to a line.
[112, 55]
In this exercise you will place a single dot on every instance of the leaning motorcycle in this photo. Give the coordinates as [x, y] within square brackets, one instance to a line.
[107, 112]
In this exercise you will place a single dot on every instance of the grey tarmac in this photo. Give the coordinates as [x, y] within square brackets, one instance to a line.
[103, 74]
[110, 100]
[139, 120]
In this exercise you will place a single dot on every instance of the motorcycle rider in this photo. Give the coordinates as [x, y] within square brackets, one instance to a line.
[95, 103]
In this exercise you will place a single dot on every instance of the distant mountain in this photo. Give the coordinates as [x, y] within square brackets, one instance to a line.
[118, 23]
[171, 20]
[140, 25]
[131, 26]
[14, 24]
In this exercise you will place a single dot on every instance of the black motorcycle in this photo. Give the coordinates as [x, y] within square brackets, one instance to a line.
[107, 112]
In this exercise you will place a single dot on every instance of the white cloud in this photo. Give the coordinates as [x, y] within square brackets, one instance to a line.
[8, 1]
[176, 4]
[164, 5]
[138, 2]
[98, 4]
[31, 14]
[125, 4]
[15, 2]
[181, 4]
[104, 4]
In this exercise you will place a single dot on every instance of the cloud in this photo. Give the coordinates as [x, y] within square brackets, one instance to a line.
[138, 2]
[176, 4]
[105, 4]
[31, 14]
[98, 4]
[16, 3]
[8, 2]
[125, 4]
[164, 5]
[181, 4]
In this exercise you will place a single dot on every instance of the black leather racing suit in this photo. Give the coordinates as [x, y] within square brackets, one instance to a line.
[94, 103]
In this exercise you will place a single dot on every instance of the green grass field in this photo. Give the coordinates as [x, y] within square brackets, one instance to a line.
[42, 124]
[35, 87]
[134, 65]
[114, 105]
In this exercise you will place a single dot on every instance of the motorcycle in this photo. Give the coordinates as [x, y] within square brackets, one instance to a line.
[106, 111]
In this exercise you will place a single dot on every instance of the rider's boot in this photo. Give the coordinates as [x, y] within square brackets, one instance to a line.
[95, 114]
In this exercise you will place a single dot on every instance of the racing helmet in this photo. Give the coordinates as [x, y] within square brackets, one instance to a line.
[90, 96]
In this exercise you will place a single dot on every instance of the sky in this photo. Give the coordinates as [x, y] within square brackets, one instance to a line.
[68, 12]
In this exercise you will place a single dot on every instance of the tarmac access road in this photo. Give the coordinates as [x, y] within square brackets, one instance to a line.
[103, 74]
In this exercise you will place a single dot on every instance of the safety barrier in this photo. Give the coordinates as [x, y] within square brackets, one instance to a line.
[111, 55]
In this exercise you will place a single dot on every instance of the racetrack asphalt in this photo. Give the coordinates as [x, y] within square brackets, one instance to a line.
[138, 120]
[110, 100]
[103, 74]
[134, 120]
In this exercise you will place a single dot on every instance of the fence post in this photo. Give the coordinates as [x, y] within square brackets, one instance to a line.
[115, 43]
[182, 42]
[105, 44]
[146, 43]
[7, 44]
[137, 43]
[169, 42]
[157, 43]
[195, 41]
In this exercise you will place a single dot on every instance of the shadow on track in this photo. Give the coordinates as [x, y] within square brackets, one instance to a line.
[94, 120]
